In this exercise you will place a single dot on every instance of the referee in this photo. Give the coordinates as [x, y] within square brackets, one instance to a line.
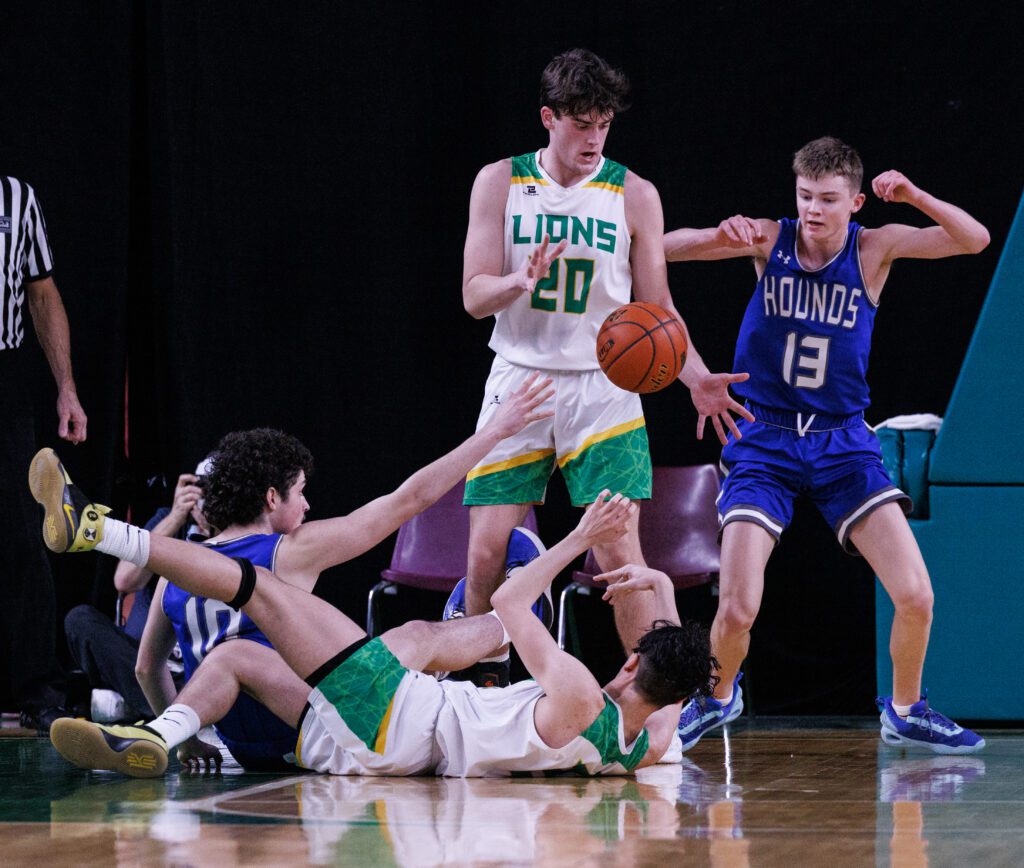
[27, 631]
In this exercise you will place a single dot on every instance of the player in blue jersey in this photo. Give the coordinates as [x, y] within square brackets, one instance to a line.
[805, 340]
[252, 490]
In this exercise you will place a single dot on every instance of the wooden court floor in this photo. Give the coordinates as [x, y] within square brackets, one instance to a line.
[770, 794]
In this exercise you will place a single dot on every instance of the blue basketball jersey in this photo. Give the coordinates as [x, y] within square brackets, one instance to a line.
[806, 335]
[200, 623]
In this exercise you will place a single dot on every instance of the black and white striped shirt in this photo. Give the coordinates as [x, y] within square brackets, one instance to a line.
[24, 255]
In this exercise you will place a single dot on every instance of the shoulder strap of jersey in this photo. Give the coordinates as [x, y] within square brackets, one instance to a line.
[525, 171]
[603, 734]
[611, 177]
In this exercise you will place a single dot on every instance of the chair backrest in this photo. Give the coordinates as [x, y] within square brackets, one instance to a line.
[430, 551]
[678, 527]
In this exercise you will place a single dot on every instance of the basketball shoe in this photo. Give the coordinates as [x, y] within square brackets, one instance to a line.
[704, 713]
[925, 727]
[523, 546]
[136, 751]
[72, 523]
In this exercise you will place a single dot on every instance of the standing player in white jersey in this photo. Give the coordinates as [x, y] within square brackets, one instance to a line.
[557, 240]
[371, 709]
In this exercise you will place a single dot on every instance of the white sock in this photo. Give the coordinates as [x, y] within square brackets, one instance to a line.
[901, 710]
[124, 541]
[725, 700]
[178, 723]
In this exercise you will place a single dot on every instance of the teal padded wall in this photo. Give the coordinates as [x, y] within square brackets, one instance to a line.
[972, 545]
[973, 539]
[981, 439]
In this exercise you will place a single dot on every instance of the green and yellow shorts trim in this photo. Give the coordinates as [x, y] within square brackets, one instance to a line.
[368, 714]
[597, 438]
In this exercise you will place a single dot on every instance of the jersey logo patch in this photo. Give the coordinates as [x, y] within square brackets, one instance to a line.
[785, 259]
[531, 190]
[5, 224]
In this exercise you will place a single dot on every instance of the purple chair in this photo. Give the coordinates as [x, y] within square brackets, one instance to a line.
[678, 533]
[430, 552]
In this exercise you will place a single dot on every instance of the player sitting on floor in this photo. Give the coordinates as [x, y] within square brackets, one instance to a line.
[805, 340]
[372, 710]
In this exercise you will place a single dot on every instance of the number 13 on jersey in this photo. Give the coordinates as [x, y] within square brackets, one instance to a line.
[568, 280]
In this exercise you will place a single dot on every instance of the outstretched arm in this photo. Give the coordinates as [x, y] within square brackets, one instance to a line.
[632, 579]
[573, 697]
[732, 238]
[709, 392]
[317, 545]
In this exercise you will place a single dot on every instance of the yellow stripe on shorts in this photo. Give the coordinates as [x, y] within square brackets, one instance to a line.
[380, 745]
[508, 464]
[597, 438]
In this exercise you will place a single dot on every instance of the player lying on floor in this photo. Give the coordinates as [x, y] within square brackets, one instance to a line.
[372, 709]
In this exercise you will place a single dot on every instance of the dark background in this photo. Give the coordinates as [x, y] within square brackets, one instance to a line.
[258, 210]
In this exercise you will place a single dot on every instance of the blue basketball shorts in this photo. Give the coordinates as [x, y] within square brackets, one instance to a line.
[835, 461]
[256, 737]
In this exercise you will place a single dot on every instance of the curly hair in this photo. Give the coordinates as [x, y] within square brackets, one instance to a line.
[829, 156]
[578, 82]
[675, 662]
[243, 466]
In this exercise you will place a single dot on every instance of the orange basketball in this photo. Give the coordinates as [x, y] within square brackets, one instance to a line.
[641, 347]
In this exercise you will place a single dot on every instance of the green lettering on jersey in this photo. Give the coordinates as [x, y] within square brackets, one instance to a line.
[517, 219]
[576, 296]
[545, 290]
[583, 233]
[606, 236]
[558, 227]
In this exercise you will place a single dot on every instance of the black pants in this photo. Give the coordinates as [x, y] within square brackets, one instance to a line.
[107, 655]
[27, 614]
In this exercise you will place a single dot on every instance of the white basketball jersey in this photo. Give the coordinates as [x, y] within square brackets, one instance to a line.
[555, 327]
[489, 732]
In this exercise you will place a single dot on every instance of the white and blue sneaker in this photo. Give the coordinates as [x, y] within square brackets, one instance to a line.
[523, 546]
[925, 727]
[704, 713]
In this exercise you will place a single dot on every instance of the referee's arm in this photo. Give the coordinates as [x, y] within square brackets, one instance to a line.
[51, 324]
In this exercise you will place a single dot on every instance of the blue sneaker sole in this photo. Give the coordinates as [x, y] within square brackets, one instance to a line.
[894, 739]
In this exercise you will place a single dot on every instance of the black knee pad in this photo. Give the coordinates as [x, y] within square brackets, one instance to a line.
[248, 585]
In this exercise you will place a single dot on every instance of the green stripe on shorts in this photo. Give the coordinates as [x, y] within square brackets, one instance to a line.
[524, 483]
[361, 688]
[622, 464]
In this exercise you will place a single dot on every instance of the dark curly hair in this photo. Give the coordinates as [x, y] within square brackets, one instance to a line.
[578, 82]
[675, 662]
[243, 466]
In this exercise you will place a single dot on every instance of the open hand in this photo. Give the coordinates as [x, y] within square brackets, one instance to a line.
[606, 519]
[710, 395]
[539, 263]
[520, 407]
[630, 579]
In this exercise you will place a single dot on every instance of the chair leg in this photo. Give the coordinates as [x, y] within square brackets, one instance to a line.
[373, 607]
[566, 614]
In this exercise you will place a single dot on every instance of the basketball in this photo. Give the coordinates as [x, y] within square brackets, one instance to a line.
[641, 347]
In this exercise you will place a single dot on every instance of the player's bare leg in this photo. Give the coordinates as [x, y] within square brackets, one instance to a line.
[746, 548]
[885, 540]
[489, 528]
[634, 613]
[240, 665]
